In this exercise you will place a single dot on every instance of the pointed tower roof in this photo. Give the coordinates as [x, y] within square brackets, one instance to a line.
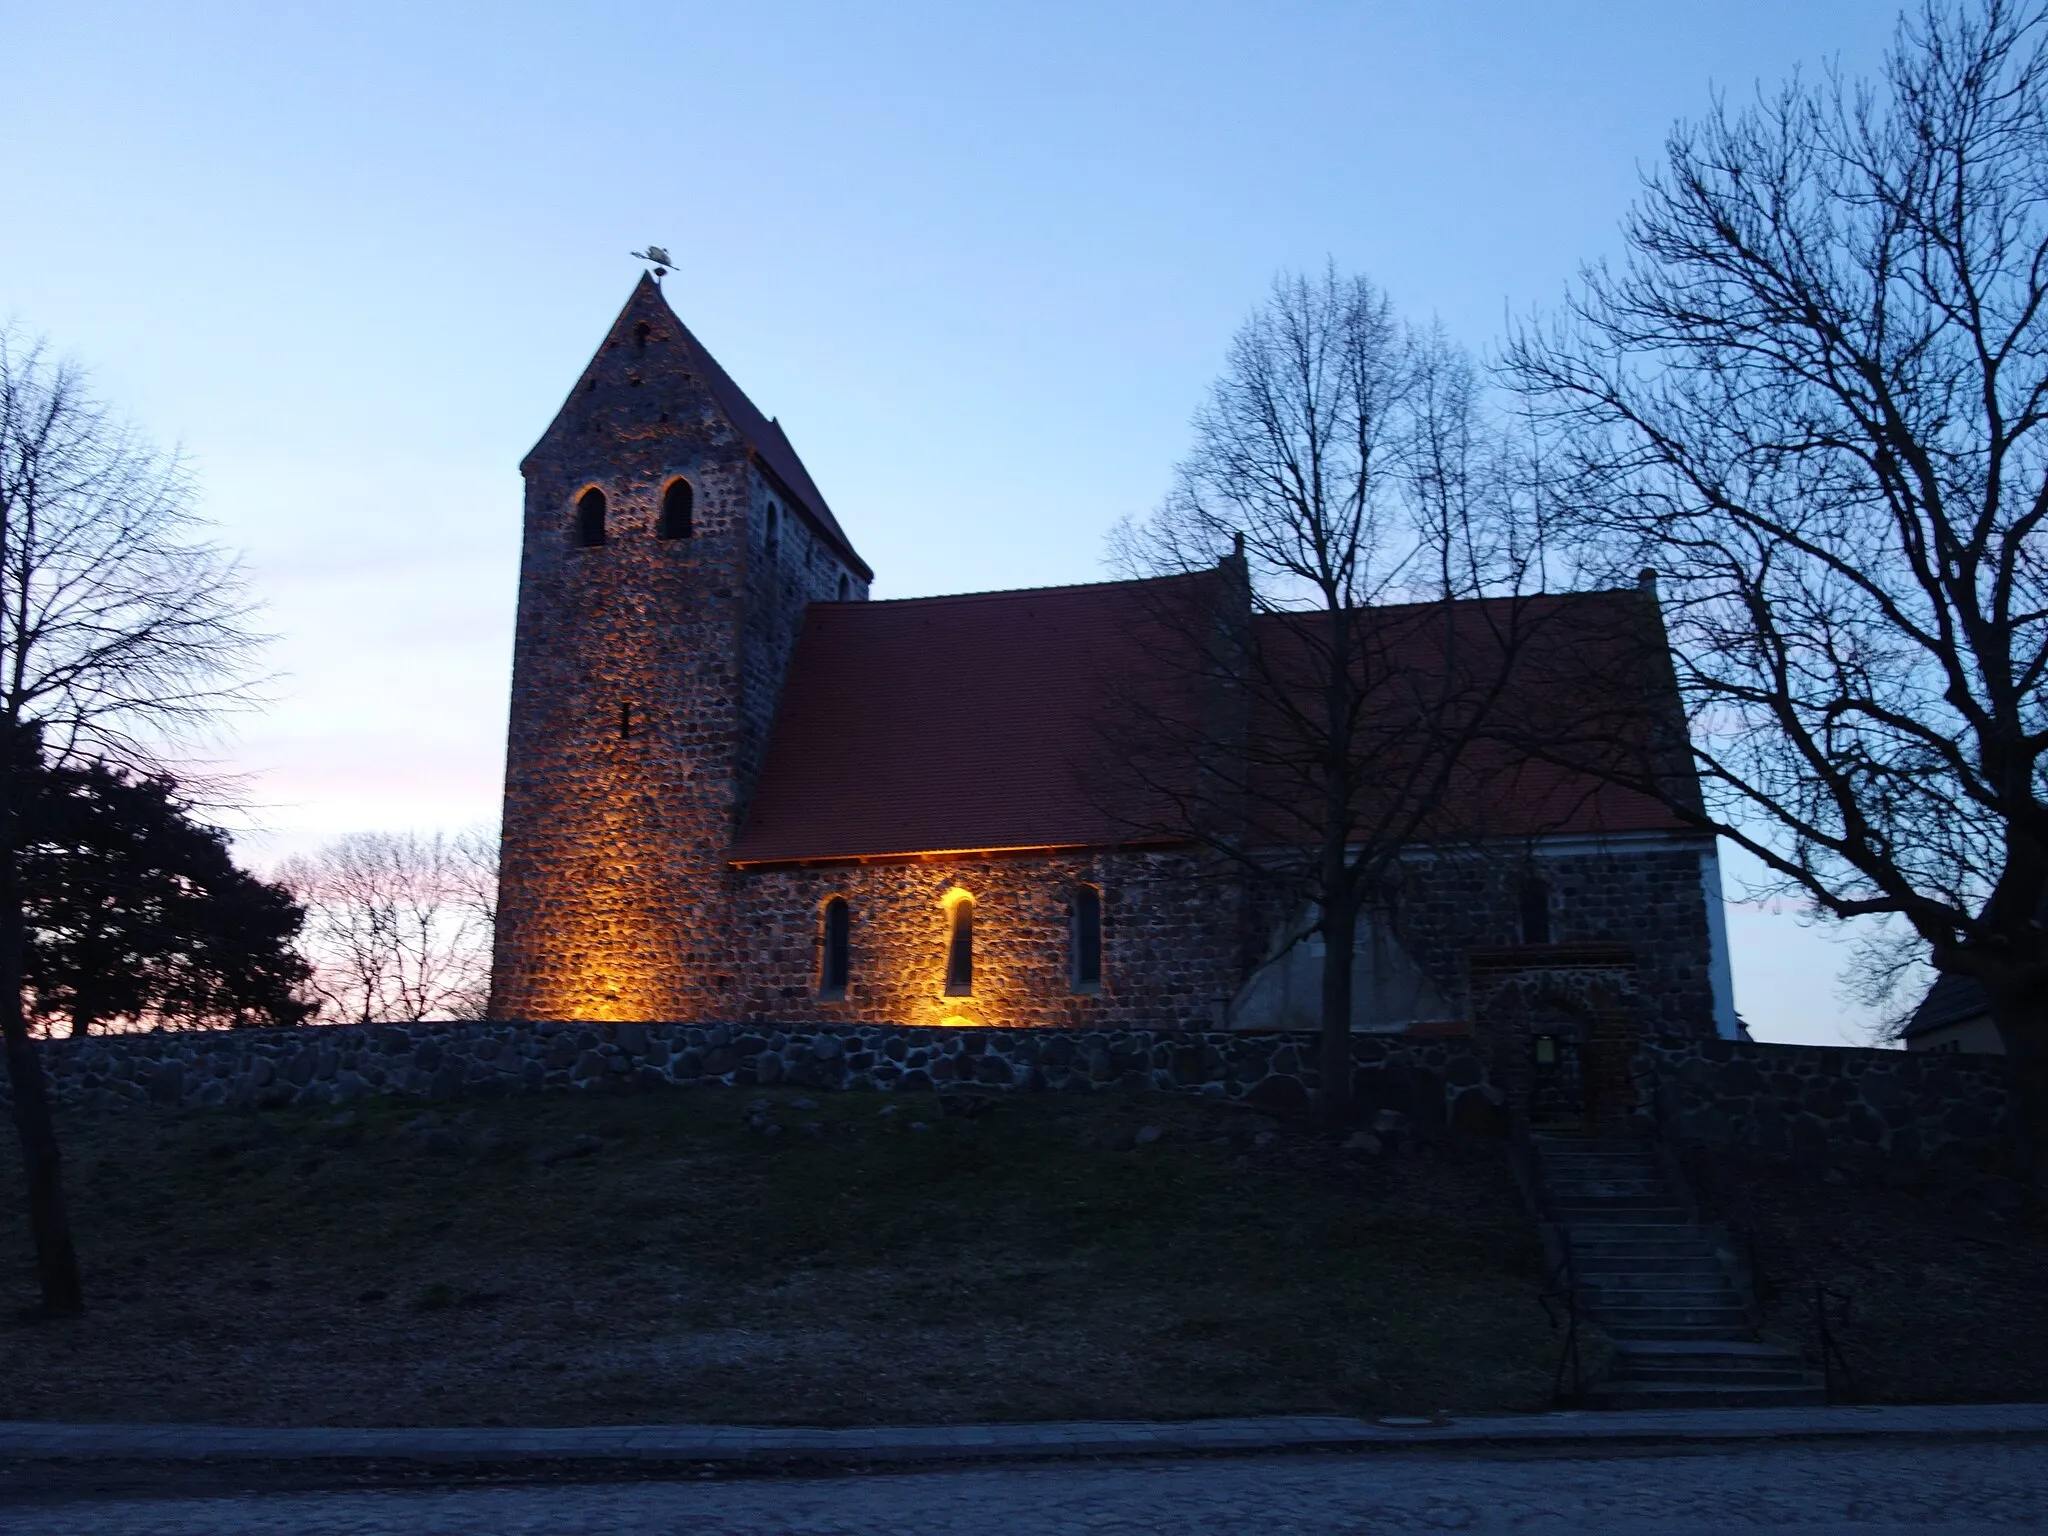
[764, 438]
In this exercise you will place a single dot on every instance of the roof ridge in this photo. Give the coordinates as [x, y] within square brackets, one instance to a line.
[1456, 602]
[1070, 586]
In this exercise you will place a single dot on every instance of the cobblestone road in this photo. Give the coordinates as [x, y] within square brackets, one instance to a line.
[1885, 1486]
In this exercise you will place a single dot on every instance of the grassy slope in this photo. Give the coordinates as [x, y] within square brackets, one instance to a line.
[278, 1267]
[1946, 1302]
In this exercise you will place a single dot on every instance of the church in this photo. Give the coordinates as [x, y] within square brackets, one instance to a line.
[738, 790]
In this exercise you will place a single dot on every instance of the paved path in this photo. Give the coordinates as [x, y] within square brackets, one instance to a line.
[670, 1444]
[1838, 1486]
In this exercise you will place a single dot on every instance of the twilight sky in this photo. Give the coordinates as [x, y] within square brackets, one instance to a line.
[982, 260]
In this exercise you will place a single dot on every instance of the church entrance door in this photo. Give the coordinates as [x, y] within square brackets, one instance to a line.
[1557, 1076]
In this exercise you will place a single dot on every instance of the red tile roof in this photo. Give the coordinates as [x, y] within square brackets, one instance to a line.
[954, 723]
[1565, 670]
[985, 722]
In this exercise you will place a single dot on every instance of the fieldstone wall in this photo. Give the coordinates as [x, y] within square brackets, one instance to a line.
[784, 577]
[1825, 1107]
[1649, 896]
[1434, 1081]
[645, 671]
[1172, 946]
[1820, 1107]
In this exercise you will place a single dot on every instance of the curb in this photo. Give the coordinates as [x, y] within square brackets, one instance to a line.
[715, 1444]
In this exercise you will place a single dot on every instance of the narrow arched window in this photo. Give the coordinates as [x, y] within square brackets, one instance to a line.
[960, 946]
[678, 507]
[836, 963]
[774, 529]
[1535, 911]
[845, 587]
[590, 510]
[1085, 939]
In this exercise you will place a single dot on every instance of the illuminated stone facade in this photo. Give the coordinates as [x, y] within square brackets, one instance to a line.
[1172, 941]
[645, 675]
[649, 663]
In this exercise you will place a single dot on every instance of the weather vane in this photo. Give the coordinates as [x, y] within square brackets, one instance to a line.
[659, 257]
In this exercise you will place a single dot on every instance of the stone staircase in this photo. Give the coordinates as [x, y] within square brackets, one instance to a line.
[1647, 1274]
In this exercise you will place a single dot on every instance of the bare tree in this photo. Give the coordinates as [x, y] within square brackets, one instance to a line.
[398, 925]
[1344, 474]
[1816, 398]
[121, 633]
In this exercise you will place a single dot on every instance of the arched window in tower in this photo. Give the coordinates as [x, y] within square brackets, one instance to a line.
[1535, 911]
[845, 587]
[1084, 946]
[836, 958]
[590, 511]
[959, 944]
[774, 530]
[678, 508]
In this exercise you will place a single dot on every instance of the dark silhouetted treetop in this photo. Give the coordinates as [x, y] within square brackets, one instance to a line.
[136, 912]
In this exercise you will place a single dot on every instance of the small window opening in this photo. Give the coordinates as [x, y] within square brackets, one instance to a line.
[640, 334]
[845, 588]
[678, 506]
[960, 947]
[1535, 911]
[1086, 939]
[590, 511]
[625, 722]
[837, 960]
[774, 529]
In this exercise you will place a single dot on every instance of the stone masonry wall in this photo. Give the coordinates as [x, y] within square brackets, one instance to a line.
[1819, 1106]
[1435, 1081]
[1646, 896]
[615, 900]
[612, 886]
[801, 568]
[1170, 941]
[1823, 1107]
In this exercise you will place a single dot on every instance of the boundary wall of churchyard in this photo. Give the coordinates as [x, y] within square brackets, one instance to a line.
[1435, 1079]
[1826, 1107]
[1817, 1106]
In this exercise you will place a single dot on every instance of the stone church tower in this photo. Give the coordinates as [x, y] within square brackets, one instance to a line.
[672, 541]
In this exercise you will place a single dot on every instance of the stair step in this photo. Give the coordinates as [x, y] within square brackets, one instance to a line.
[1666, 1323]
[1614, 1298]
[1662, 1333]
[1790, 1375]
[1684, 1349]
[1674, 1244]
[1643, 1394]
